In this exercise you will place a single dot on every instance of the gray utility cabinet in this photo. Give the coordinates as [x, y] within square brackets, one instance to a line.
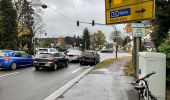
[153, 61]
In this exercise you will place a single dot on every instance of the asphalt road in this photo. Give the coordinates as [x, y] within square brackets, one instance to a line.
[28, 84]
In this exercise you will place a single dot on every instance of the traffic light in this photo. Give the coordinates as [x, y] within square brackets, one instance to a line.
[45, 34]
[92, 22]
[77, 23]
[44, 6]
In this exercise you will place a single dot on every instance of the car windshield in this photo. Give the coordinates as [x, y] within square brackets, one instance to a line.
[57, 55]
[3, 54]
[74, 51]
[42, 50]
[43, 55]
[87, 54]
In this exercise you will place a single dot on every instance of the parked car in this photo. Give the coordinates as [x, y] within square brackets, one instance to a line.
[48, 60]
[15, 59]
[6, 50]
[89, 57]
[73, 55]
[46, 50]
[109, 50]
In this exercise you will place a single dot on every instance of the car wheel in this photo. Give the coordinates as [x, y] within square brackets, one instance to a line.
[96, 61]
[37, 68]
[55, 67]
[99, 61]
[13, 66]
[81, 63]
[66, 64]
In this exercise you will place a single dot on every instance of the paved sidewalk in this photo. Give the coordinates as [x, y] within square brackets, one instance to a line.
[103, 84]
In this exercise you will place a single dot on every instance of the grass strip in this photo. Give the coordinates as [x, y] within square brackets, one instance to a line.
[106, 62]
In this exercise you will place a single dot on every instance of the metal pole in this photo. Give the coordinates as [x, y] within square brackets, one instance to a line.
[138, 49]
[85, 45]
[116, 40]
[134, 53]
[34, 45]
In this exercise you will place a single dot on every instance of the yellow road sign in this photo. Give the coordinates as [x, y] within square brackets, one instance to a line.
[119, 3]
[140, 11]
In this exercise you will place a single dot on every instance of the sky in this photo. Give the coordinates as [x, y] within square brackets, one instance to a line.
[61, 15]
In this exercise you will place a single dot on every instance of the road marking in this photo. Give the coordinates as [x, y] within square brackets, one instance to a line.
[68, 85]
[76, 70]
[9, 74]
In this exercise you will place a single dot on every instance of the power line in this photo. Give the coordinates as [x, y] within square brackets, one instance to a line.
[75, 3]
[62, 14]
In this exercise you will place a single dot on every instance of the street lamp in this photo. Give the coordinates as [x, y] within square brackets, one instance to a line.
[44, 6]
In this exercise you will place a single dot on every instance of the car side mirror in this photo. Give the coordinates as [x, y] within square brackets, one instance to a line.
[29, 56]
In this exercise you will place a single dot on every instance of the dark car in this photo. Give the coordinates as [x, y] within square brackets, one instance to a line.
[89, 57]
[48, 60]
[14, 59]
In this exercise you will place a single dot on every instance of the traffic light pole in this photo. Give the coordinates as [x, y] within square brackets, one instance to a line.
[93, 23]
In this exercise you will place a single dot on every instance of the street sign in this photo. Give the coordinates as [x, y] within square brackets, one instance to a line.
[138, 25]
[127, 13]
[138, 32]
[138, 29]
[120, 3]
[141, 11]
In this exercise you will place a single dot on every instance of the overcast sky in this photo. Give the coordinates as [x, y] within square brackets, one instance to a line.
[61, 15]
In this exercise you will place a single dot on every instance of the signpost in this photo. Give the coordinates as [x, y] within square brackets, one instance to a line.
[138, 29]
[138, 33]
[121, 11]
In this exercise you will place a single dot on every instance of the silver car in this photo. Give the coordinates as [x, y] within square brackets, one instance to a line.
[73, 55]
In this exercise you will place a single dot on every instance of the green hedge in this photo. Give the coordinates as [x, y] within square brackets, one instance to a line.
[165, 48]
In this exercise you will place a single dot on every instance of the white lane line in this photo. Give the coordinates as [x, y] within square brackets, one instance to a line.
[76, 70]
[56, 94]
[9, 74]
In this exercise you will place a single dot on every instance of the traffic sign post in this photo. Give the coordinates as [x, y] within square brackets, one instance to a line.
[138, 33]
[121, 11]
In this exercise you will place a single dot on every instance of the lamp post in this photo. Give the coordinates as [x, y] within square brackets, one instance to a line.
[44, 6]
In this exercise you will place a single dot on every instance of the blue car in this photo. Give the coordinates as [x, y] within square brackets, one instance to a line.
[15, 59]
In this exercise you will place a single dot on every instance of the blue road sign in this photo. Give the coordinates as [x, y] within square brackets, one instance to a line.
[119, 13]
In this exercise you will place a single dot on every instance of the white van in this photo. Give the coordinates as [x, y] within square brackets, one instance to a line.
[46, 50]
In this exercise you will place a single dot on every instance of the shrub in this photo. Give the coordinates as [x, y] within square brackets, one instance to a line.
[165, 48]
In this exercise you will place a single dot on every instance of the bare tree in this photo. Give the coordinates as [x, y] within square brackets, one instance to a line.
[29, 21]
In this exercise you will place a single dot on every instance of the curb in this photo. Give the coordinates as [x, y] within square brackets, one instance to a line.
[68, 85]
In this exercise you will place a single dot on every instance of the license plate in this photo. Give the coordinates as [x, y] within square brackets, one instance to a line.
[47, 64]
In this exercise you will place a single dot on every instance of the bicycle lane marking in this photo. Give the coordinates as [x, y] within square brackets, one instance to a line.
[8, 74]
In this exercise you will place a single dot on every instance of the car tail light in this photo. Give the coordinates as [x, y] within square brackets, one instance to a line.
[50, 58]
[81, 57]
[7, 58]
